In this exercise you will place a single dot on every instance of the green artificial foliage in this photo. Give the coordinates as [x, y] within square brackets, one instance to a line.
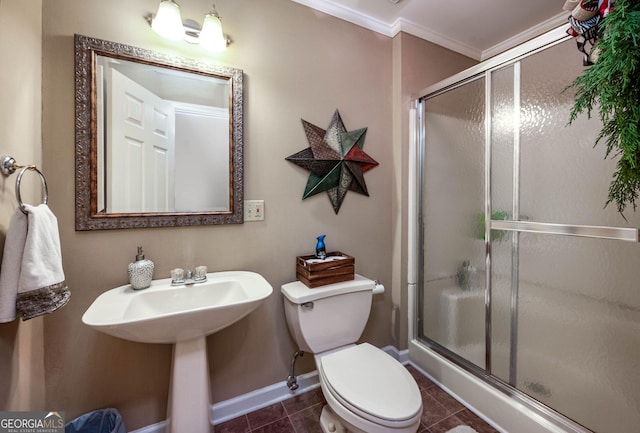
[496, 235]
[613, 85]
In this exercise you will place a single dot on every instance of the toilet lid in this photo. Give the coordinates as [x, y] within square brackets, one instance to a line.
[366, 378]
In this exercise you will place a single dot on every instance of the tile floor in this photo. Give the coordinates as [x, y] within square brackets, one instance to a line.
[300, 414]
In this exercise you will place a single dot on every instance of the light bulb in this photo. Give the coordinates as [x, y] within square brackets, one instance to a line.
[168, 22]
[211, 36]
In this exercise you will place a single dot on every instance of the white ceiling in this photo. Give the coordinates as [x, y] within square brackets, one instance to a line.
[476, 28]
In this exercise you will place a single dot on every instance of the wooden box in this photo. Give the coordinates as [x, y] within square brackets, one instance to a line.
[314, 272]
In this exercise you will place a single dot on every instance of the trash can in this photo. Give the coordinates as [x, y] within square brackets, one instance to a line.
[99, 421]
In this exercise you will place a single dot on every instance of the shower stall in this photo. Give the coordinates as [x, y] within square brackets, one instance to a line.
[525, 287]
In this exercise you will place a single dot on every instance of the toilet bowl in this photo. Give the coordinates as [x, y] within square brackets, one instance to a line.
[369, 390]
[366, 389]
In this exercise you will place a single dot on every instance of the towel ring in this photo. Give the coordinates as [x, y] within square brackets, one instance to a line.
[8, 166]
[19, 179]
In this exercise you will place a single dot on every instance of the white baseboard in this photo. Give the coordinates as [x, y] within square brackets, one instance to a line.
[249, 402]
[159, 427]
[260, 398]
[263, 397]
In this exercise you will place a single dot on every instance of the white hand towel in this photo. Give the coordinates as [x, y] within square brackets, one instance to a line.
[11, 264]
[41, 287]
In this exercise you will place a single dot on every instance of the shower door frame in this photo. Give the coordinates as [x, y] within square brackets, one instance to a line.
[541, 416]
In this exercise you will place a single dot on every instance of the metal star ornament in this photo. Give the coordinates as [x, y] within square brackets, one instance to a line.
[335, 160]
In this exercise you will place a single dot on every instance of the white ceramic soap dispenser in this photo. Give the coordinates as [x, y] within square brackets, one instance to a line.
[140, 271]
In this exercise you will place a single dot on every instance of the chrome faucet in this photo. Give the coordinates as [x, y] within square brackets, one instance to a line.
[178, 277]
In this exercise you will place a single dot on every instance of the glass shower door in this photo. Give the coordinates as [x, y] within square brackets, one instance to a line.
[453, 298]
[573, 300]
[558, 316]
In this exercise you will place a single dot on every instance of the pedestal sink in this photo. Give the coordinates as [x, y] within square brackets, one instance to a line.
[181, 315]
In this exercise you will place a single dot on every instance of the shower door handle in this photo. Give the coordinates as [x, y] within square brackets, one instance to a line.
[600, 232]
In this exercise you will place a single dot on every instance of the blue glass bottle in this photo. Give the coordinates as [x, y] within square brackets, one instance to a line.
[321, 251]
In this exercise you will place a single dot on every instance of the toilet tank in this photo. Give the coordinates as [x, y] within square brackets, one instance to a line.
[330, 316]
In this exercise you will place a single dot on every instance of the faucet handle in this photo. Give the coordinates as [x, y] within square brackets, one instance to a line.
[177, 275]
[201, 273]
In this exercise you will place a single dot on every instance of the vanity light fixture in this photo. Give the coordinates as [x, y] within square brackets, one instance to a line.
[168, 23]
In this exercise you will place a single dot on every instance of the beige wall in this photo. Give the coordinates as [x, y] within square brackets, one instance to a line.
[21, 347]
[298, 63]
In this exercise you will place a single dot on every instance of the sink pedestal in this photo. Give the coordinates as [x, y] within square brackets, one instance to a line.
[189, 394]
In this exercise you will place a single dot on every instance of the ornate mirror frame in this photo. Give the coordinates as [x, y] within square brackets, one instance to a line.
[87, 215]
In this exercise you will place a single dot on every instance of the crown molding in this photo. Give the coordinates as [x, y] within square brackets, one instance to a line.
[406, 26]
[403, 25]
[389, 29]
[348, 14]
[543, 27]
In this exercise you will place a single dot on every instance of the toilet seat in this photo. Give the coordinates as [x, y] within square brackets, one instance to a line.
[372, 385]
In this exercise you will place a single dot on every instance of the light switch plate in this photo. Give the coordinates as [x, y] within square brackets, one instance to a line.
[254, 210]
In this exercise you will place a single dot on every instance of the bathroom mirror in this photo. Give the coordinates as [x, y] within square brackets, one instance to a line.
[158, 139]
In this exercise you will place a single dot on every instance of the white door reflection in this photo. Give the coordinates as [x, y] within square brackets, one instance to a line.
[140, 148]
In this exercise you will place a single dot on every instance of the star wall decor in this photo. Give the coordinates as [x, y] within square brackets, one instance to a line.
[335, 160]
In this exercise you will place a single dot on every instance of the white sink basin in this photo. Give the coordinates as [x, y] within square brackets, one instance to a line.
[167, 314]
[183, 315]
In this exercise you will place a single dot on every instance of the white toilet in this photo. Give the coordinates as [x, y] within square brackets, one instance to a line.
[366, 389]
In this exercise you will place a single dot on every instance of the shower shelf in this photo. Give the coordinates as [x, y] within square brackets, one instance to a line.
[601, 232]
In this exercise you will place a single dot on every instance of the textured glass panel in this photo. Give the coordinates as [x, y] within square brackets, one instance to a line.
[453, 208]
[502, 139]
[564, 179]
[501, 286]
[579, 329]
[503, 125]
